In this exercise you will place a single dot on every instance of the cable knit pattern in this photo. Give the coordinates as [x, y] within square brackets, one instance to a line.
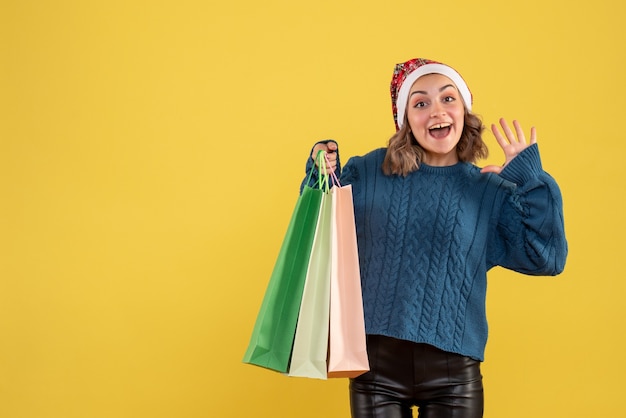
[427, 240]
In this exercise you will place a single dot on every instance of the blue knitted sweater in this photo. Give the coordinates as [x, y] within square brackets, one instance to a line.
[427, 240]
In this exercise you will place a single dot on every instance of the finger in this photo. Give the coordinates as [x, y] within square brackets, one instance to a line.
[498, 135]
[520, 132]
[317, 149]
[491, 169]
[331, 161]
[533, 135]
[507, 131]
[331, 156]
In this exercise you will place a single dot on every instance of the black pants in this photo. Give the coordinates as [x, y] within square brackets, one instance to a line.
[404, 374]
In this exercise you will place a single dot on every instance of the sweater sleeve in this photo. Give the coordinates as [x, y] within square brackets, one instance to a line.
[311, 176]
[530, 234]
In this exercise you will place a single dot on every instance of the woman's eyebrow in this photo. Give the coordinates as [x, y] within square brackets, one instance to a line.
[423, 92]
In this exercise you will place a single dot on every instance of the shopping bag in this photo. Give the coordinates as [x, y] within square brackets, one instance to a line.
[272, 337]
[274, 330]
[347, 355]
[310, 347]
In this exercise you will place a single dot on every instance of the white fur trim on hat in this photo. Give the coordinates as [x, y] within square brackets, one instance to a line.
[403, 94]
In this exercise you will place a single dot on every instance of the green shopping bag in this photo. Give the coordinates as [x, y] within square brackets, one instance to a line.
[273, 334]
[310, 347]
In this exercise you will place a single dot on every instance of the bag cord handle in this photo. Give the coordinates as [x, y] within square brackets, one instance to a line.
[333, 176]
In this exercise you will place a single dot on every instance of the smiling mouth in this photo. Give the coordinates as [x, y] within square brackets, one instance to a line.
[440, 130]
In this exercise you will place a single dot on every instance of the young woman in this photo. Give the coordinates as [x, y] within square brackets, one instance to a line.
[430, 224]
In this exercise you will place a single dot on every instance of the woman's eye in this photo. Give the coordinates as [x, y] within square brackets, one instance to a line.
[449, 99]
[419, 104]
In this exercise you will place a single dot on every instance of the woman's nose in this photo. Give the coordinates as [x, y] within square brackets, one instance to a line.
[436, 110]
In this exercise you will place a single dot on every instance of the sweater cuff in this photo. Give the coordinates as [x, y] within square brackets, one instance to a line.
[524, 167]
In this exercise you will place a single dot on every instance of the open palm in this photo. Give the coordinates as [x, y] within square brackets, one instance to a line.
[511, 143]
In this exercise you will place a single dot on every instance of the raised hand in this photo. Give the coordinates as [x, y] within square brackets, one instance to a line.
[512, 143]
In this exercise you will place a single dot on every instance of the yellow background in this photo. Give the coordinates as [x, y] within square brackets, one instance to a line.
[150, 157]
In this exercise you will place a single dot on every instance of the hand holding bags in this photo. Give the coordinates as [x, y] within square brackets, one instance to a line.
[322, 323]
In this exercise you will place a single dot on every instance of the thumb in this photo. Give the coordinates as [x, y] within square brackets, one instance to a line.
[491, 169]
[332, 146]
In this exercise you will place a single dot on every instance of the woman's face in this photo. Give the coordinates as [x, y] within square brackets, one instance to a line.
[435, 113]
